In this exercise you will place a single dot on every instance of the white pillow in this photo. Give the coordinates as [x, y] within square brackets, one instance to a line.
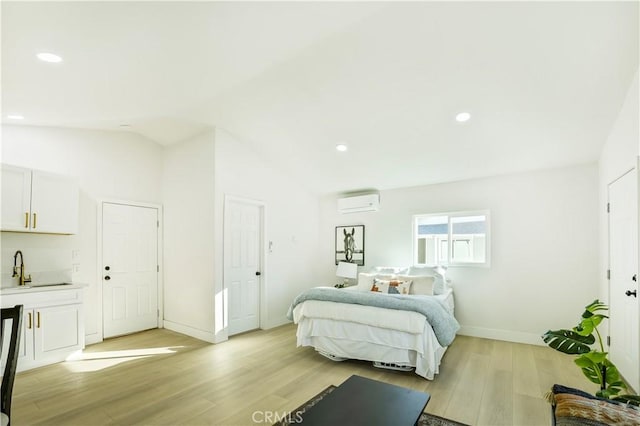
[391, 286]
[365, 281]
[422, 270]
[387, 277]
[389, 270]
[421, 284]
[437, 272]
[439, 286]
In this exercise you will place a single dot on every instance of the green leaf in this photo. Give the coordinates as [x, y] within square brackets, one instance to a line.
[597, 357]
[598, 369]
[608, 392]
[590, 368]
[568, 341]
[629, 399]
[587, 325]
[594, 307]
[612, 374]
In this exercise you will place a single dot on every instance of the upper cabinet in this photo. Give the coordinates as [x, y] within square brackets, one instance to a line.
[36, 201]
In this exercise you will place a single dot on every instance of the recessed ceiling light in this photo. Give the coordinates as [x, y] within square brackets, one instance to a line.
[15, 117]
[49, 57]
[462, 117]
[341, 147]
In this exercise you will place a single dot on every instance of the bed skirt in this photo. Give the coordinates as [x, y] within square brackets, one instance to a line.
[421, 351]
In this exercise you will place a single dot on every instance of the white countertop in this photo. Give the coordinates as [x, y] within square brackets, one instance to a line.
[40, 288]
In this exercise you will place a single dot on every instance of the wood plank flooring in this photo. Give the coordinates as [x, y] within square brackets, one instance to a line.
[160, 377]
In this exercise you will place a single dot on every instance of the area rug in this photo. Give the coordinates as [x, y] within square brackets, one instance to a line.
[425, 419]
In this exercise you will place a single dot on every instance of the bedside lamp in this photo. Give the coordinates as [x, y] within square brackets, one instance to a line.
[346, 270]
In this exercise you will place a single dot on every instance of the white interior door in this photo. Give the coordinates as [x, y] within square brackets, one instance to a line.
[623, 262]
[129, 268]
[242, 263]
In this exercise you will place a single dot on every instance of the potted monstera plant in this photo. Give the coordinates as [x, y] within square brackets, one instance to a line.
[585, 341]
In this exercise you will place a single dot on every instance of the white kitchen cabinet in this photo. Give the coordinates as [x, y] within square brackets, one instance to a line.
[16, 198]
[37, 201]
[52, 325]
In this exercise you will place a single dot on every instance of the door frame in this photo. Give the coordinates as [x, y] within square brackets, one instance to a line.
[158, 207]
[637, 169]
[262, 259]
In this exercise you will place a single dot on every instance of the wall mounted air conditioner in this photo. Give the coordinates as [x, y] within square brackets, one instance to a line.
[360, 203]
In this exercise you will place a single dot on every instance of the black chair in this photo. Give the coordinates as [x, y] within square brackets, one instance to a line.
[9, 374]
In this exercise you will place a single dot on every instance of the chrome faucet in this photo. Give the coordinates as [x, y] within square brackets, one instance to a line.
[23, 279]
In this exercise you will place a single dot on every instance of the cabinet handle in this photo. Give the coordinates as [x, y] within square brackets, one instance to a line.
[26, 219]
[29, 324]
[35, 218]
[38, 320]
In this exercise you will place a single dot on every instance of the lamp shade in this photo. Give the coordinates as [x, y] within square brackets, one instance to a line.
[347, 270]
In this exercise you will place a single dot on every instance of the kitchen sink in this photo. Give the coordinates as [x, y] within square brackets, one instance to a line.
[18, 287]
[48, 285]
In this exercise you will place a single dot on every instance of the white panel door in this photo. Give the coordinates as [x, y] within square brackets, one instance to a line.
[16, 198]
[129, 268]
[623, 284]
[242, 264]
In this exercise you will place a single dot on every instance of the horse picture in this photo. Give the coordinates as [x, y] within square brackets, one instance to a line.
[350, 244]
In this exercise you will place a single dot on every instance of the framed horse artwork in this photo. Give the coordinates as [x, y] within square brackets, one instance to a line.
[350, 244]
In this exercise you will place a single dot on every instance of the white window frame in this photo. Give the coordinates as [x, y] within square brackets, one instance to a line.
[450, 215]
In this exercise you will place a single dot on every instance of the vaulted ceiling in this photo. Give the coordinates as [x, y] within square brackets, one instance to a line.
[543, 81]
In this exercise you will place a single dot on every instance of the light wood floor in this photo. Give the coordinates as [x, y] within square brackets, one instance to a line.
[164, 378]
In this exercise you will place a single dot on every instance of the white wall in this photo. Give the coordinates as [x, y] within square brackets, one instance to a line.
[198, 174]
[543, 253]
[114, 165]
[190, 180]
[292, 224]
[619, 155]
[188, 192]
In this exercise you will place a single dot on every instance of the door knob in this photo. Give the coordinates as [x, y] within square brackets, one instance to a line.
[107, 278]
[631, 293]
[258, 274]
[106, 268]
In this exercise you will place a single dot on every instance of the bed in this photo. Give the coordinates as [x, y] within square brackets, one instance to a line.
[406, 323]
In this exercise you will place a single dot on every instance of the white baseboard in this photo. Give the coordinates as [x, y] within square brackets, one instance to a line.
[506, 335]
[190, 331]
[92, 339]
[277, 323]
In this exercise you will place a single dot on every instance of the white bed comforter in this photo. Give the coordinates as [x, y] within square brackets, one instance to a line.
[371, 333]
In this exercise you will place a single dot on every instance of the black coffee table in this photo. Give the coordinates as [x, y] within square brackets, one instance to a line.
[362, 401]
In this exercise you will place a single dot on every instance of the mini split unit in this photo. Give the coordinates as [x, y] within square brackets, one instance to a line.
[361, 203]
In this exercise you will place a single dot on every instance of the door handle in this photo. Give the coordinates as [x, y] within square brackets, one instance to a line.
[258, 274]
[30, 323]
[35, 220]
[107, 278]
[635, 277]
[633, 293]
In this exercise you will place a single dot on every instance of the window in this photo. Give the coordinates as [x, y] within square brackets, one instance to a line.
[451, 239]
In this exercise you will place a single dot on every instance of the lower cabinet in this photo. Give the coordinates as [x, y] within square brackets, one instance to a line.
[52, 326]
